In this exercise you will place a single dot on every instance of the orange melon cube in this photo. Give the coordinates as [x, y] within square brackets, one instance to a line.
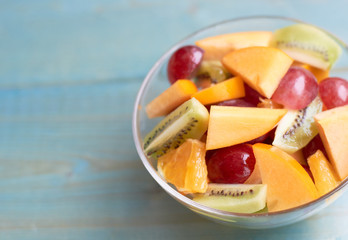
[261, 68]
[228, 89]
[171, 98]
[233, 125]
[333, 130]
[324, 175]
[218, 46]
[288, 183]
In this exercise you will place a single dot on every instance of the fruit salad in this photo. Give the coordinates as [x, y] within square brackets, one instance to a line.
[253, 121]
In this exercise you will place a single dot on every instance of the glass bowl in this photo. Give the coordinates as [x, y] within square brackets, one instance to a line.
[156, 81]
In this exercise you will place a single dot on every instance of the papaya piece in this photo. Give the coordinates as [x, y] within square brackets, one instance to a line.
[171, 98]
[333, 130]
[233, 125]
[261, 68]
[288, 183]
[216, 47]
[228, 89]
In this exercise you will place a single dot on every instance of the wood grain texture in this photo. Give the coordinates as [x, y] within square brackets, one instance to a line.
[69, 74]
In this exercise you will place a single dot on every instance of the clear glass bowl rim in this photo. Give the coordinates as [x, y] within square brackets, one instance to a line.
[153, 172]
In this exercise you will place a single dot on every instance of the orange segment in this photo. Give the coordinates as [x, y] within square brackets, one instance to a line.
[324, 175]
[261, 67]
[333, 130]
[228, 89]
[217, 46]
[233, 125]
[185, 167]
[288, 183]
[171, 98]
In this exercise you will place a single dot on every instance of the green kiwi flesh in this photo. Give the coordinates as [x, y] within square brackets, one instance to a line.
[307, 44]
[238, 198]
[297, 128]
[189, 120]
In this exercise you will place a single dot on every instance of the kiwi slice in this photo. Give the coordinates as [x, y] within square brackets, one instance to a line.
[189, 120]
[297, 128]
[239, 198]
[308, 44]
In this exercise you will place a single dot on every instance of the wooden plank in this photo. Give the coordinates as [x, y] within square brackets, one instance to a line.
[69, 74]
[62, 41]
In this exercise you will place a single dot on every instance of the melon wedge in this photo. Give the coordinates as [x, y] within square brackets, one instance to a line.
[217, 46]
[288, 183]
[324, 175]
[333, 130]
[228, 89]
[171, 98]
[233, 125]
[261, 67]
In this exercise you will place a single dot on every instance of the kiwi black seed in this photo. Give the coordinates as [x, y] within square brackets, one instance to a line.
[242, 198]
[308, 44]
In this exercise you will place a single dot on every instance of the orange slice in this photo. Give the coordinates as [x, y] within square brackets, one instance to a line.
[324, 175]
[185, 167]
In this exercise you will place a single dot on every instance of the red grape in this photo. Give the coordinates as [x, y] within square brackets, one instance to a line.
[251, 95]
[184, 62]
[231, 164]
[297, 89]
[314, 145]
[261, 139]
[239, 102]
[334, 92]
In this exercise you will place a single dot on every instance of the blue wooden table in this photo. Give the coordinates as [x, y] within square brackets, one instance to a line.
[69, 74]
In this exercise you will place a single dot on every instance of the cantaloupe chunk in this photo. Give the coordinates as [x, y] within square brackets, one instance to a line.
[333, 130]
[324, 175]
[288, 183]
[217, 46]
[261, 67]
[171, 98]
[233, 125]
[228, 89]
